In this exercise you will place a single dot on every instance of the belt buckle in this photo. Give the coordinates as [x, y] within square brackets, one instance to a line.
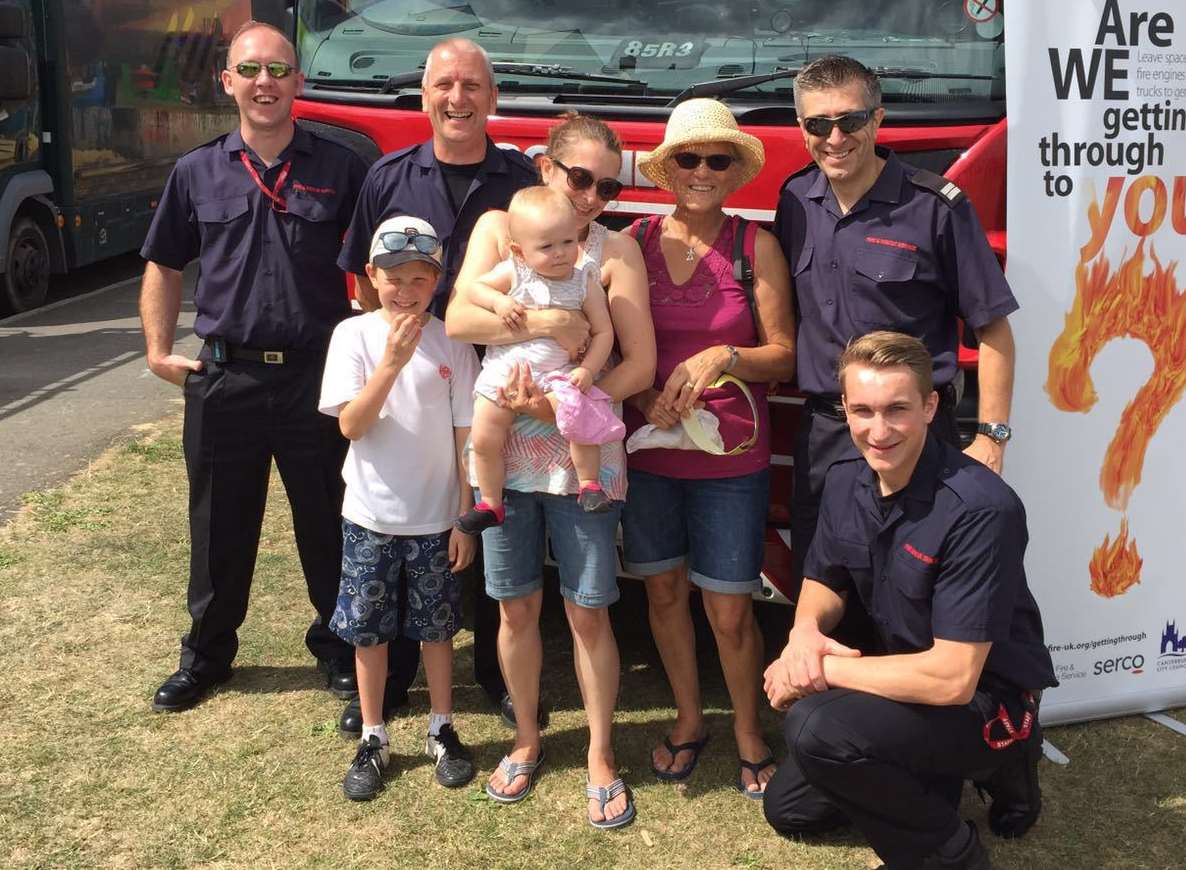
[274, 357]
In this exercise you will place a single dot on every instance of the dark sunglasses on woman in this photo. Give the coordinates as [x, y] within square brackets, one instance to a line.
[580, 178]
[277, 69]
[716, 162]
[848, 123]
[397, 241]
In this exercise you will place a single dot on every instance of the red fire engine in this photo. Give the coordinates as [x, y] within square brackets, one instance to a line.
[941, 64]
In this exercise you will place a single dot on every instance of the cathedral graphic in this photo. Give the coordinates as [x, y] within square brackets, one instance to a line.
[1171, 644]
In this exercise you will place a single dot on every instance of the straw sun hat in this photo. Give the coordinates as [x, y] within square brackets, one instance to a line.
[697, 122]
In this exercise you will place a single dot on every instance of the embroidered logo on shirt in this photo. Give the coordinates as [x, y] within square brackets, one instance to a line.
[296, 185]
[446, 372]
[891, 243]
[918, 554]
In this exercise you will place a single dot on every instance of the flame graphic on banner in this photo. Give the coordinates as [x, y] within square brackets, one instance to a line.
[1115, 567]
[1126, 303]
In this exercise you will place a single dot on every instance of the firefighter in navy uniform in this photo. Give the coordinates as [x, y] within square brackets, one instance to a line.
[931, 542]
[874, 243]
[263, 209]
[450, 181]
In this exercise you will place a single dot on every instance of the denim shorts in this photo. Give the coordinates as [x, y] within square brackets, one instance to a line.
[716, 525]
[584, 545]
[395, 586]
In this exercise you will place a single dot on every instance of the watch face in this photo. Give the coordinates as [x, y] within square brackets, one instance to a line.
[1000, 432]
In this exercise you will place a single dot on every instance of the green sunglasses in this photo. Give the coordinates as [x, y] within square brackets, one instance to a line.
[277, 69]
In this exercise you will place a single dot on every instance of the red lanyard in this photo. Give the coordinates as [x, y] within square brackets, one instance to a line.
[1012, 732]
[278, 201]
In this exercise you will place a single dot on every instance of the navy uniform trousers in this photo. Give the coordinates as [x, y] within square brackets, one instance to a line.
[895, 771]
[239, 416]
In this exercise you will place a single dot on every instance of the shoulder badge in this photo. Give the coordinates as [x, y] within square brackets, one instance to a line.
[946, 190]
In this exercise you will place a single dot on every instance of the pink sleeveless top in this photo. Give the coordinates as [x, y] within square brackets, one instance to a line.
[710, 308]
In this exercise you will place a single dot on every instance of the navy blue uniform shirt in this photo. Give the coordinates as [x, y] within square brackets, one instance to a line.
[946, 562]
[903, 259]
[267, 279]
[412, 182]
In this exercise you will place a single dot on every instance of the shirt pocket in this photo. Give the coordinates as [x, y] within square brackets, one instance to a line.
[906, 603]
[314, 235]
[801, 281]
[886, 293]
[856, 560]
[224, 223]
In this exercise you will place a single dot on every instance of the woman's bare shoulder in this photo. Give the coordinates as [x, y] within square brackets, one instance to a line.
[493, 223]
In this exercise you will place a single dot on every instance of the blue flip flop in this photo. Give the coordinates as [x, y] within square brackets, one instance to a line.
[603, 795]
[693, 746]
[511, 770]
[754, 767]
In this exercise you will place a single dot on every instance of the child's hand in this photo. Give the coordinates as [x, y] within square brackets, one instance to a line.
[581, 378]
[462, 548]
[512, 313]
[402, 339]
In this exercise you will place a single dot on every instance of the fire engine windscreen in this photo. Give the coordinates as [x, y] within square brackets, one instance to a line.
[666, 44]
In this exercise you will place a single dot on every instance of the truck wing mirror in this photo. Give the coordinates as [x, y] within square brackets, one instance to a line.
[16, 81]
[13, 22]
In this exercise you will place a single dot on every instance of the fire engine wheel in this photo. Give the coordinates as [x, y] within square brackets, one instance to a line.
[26, 277]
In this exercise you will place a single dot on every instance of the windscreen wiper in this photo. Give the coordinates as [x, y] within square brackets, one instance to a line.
[720, 87]
[533, 70]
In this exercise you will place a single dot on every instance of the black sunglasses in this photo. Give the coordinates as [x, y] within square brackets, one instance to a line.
[848, 123]
[397, 241]
[277, 69]
[580, 178]
[716, 162]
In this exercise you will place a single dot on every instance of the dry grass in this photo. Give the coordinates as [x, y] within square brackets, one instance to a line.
[91, 606]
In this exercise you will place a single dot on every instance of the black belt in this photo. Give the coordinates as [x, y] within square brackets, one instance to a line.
[223, 351]
[831, 406]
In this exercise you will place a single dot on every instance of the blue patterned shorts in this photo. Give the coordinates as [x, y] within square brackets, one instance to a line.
[395, 586]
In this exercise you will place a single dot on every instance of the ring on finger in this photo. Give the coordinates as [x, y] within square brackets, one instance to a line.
[687, 385]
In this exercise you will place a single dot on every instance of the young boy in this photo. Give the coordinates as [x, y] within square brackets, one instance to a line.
[402, 392]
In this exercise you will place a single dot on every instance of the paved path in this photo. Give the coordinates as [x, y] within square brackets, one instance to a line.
[73, 381]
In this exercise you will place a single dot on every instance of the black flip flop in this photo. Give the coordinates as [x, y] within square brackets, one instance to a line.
[754, 767]
[694, 746]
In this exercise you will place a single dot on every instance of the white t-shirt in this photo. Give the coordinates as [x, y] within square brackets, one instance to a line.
[401, 476]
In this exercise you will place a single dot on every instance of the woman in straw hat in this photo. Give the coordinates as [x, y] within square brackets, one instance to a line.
[582, 161]
[693, 518]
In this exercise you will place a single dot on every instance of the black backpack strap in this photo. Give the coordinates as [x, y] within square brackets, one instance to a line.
[640, 231]
[743, 268]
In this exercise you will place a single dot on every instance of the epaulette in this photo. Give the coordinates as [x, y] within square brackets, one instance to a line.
[797, 174]
[946, 190]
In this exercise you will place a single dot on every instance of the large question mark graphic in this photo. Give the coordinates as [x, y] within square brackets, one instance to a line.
[1126, 303]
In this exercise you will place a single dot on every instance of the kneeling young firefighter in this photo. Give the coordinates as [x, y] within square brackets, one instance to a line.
[931, 542]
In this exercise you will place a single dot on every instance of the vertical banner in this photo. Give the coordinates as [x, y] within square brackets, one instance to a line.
[1097, 239]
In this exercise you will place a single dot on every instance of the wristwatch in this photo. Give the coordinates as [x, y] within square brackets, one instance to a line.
[732, 357]
[998, 432]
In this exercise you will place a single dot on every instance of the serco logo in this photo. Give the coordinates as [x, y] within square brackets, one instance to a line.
[1131, 664]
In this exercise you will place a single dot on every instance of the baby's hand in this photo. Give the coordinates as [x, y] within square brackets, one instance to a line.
[581, 378]
[512, 313]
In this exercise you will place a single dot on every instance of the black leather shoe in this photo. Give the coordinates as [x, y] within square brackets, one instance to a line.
[185, 688]
[339, 677]
[506, 709]
[350, 723]
[1013, 787]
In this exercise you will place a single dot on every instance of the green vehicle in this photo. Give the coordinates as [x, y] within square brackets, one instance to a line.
[98, 98]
